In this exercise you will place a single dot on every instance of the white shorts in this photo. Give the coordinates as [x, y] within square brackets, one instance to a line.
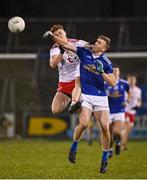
[117, 117]
[95, 103]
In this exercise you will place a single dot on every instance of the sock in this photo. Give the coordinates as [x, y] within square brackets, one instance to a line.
[74, 146]
[117, 139]
[105, 155]
[110, 151]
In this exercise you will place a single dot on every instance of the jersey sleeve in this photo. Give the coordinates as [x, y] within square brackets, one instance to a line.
[54, 51]
[127, 87]
[108, 68]
[80, 51]
[106, 85]
[82, 43]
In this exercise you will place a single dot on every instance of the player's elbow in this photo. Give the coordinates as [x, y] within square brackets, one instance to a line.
[52, 65]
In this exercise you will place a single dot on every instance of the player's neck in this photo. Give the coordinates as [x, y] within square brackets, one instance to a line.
[132, 85]
[117, 78]
[98, 53]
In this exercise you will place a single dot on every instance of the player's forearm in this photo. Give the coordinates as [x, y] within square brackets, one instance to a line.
[139, 103]
[129, 96]
[54, 61]
[65, 44]
[110, 79]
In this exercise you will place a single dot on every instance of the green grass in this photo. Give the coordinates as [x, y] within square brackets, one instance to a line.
[48, 159]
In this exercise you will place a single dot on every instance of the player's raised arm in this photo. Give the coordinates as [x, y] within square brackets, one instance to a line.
[60, 41]
[65, 44]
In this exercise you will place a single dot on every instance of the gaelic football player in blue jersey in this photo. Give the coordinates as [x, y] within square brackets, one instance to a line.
[116, 99]
[95, 68]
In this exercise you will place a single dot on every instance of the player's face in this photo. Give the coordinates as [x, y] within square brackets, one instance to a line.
[60, 33]
[116, 72]
[132, 80]
[99, 46]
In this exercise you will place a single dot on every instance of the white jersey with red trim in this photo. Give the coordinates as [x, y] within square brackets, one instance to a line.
[135, 99]
[69, 66]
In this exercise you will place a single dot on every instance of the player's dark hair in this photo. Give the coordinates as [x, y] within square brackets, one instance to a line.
[116, 66]
[132, 75]
[56, 27]
[106, 39]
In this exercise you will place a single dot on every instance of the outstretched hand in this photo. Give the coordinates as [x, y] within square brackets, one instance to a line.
[48, 34]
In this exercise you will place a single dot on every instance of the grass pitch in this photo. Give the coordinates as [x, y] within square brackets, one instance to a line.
[48, 159]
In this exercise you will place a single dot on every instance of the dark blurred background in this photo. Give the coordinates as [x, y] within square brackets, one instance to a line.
[28, 84]
[76, 8]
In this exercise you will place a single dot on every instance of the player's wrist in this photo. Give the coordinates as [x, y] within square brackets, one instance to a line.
[101, 72]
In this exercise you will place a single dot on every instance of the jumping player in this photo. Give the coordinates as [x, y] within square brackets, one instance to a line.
[68, 66]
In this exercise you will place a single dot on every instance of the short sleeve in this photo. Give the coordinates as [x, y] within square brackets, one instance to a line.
[82, 43]
[108, 68]
[127, 87]
[54, 51]
[80, 51]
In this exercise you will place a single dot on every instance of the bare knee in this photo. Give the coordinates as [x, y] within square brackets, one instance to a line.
[105, 129]
[83, 126]
[55, 110]
[116, 131]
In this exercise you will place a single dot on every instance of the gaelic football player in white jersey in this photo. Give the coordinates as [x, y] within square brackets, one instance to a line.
[68, 66]
[131, 108]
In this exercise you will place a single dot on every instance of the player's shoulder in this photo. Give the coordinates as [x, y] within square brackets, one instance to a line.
[84, 49]
[55, 46]
[106, 59]
[124, 81]
[137, 88]
[78, 42]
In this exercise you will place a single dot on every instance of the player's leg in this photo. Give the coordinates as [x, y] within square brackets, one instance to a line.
[127, 127]
[125, 135]
[59, 103]
[78, 132]
[75, 103]
[117, 133]
[90, 131]
[111, 139]
[103, 118]
[76, 91]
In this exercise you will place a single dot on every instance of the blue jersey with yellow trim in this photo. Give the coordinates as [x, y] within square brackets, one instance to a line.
[116, 96]
[92, 82]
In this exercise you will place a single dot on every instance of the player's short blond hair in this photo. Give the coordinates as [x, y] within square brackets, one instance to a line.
[106, 39]
[56, 27]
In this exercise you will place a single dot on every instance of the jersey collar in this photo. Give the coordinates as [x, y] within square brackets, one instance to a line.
[97, 56]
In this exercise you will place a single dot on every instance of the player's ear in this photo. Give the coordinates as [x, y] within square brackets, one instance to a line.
[65, 33]
[104, 48]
